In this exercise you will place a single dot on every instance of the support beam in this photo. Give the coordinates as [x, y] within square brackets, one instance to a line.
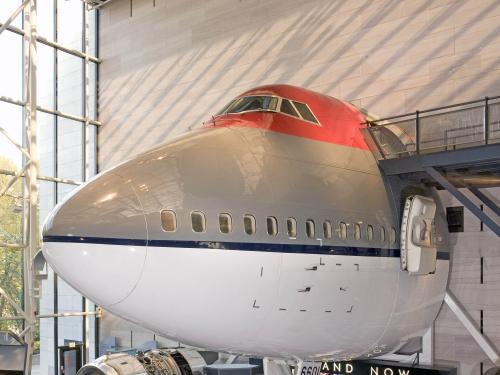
[44, 178]
[31, 223]
[486, 200]
[14, 178]
[438, 177]
[469, 324]
[17, 145]
[50, 43]
[13, 16]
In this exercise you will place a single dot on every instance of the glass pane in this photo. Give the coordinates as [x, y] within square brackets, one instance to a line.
[198, 221]
[249, 223]
[369, 233]
[310, 228]
[291, 227]
[168, 221]
[47, 325]
[63, 190]
[45, 76]
[253, 103]
[92, 151]
[393, 235]
[12, 121]
[70, 328]
[46, 198]
[327, 229]
[11, 64]
[382, 234]
[69, 149]
[92, 91]
[45, 19]
[11, 209]
[305, 112]
[357, 231]
[69, 83]
[286, 107]
[272, 226]
[46, 143]
[225, 223]
[343, 230]
[69, 23]
[11, 280]
[92, 32]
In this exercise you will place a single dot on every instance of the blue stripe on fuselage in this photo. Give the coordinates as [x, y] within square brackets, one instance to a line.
[242, 246]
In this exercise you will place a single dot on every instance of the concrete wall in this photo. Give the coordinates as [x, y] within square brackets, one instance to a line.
[169, 64]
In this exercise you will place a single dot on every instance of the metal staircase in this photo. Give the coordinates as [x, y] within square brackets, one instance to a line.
[450, 147]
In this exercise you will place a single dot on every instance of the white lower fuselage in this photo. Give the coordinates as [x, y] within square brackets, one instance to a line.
[256, 302]
[275, 296]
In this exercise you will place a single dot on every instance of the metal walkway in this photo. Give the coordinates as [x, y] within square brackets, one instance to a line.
[451, 147]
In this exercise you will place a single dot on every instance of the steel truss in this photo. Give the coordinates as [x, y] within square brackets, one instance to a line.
[29, 173]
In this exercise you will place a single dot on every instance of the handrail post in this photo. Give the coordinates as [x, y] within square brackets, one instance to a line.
[486, 120]
[417, 132]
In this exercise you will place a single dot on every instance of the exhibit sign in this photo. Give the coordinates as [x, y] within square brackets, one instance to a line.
[381, 368]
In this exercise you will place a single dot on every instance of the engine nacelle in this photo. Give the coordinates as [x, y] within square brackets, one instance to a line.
[156, 361]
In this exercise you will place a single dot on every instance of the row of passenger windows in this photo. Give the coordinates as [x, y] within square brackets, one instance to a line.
[270, 103]
[199, 225]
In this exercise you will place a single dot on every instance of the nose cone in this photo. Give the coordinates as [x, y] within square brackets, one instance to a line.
[96, 239]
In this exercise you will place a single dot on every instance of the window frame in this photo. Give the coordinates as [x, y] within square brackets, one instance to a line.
[274, 220]
[294, 224]
[308, 108]
[254, 224]
[327, 228]
[393, 236]
[343, 234]
[175, 221]
[369, 232]
[357, 231]
[204, 221]
[230, 222]
[225, 109]
[382, 234]
[310, 224]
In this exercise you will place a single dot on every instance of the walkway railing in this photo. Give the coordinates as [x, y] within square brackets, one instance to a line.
[445, 128]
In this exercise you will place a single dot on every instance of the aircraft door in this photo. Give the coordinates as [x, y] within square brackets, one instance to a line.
[418, 249]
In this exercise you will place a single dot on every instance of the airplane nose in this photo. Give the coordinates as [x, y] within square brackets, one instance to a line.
[96, 239]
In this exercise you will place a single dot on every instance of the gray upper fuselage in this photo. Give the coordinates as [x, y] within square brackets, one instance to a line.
[236, 171]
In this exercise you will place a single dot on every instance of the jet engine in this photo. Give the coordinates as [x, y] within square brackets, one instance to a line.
[152, 362]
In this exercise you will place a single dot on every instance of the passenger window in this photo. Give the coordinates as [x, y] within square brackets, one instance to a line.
[327, 229]
[393, 235]
[342, 230]
[305, 112]
[382, 234]
[168, 221]
[369, 233]
[272, 226]
[225, 223]
[291, 227]
[286, 107]
[357, 231]
[249, 224]
[310, 228]
[198, 221]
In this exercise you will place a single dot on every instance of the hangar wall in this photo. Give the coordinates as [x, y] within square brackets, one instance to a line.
[169, 64]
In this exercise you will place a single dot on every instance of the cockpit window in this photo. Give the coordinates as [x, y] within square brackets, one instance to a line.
[305, 112]
[287, 107]
[253, 103]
